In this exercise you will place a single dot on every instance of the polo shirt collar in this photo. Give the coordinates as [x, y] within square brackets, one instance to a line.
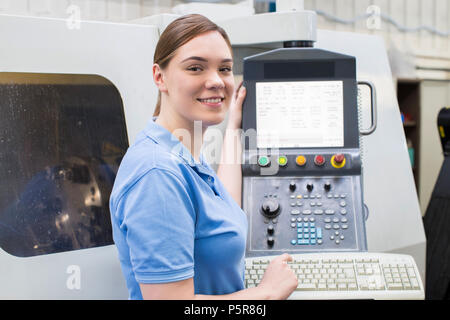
[166, 139]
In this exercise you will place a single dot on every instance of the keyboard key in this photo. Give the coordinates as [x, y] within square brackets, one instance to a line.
[319, 234]
[394, 286]
[306, 287]
[342, 286]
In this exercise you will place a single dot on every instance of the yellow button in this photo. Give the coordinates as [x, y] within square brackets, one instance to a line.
[300, 160]
[282, 161]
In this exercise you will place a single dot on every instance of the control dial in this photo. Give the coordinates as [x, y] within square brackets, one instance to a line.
[292, 186]
[310, 187]
[270, 208]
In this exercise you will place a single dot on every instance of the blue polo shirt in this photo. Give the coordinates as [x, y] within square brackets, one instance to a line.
[172, 219]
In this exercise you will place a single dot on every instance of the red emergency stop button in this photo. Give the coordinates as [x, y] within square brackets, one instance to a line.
[319, 160]
[338, 160]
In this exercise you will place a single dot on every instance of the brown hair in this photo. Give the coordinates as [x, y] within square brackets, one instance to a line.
[176, 34]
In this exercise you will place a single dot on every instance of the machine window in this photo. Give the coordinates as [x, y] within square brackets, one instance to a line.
[62, 138]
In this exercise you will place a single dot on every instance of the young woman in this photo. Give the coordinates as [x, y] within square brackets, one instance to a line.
[178, 225]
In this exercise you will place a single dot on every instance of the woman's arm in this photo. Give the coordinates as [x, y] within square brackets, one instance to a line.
[229, 170]
[278, 282]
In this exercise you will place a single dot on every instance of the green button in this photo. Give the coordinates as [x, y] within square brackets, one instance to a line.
[263, 161]
[282, 161]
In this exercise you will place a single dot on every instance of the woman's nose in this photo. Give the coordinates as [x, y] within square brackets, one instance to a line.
[214, 81]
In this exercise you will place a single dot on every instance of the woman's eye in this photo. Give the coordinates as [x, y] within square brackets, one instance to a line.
[194, 68]
[226, 69]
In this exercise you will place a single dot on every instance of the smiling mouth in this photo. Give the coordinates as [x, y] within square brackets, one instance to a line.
[211, 100]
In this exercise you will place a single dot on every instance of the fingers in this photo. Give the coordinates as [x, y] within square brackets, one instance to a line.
[241, 95]
[286, 257]
[240, 92]
[239, 87]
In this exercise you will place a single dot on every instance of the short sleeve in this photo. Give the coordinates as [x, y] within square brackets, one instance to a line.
[159, 222]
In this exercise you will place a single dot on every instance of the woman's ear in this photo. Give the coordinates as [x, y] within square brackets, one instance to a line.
[158, 78]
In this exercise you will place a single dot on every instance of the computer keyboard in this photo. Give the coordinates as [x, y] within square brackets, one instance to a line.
[349, 275]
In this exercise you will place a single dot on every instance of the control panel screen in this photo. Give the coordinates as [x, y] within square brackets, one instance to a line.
[300, 114]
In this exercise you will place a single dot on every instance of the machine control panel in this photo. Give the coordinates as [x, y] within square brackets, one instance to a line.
[302, 188]
[307, 213]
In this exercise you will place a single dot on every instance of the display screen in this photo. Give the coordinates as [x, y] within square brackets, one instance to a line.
[300, 114]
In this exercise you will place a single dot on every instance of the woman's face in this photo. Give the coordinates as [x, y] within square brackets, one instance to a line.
[198, 82]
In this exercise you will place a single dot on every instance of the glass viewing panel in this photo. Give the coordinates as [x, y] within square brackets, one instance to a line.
[300, 114]
[62, 138]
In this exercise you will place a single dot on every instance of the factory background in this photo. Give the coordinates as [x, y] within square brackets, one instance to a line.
[416, 35]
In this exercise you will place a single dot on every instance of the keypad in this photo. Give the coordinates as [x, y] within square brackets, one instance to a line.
[312, 235]
[330, 209]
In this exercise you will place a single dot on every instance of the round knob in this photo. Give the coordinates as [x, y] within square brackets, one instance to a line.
[327, 186]
[270, 230]
[270, 208]
[339, 158]
[270, 241]
[292, 186]
[319, 160]
[310, 187]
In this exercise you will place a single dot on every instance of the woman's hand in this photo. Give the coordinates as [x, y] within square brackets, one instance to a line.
[235, 112]
[279, 281]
